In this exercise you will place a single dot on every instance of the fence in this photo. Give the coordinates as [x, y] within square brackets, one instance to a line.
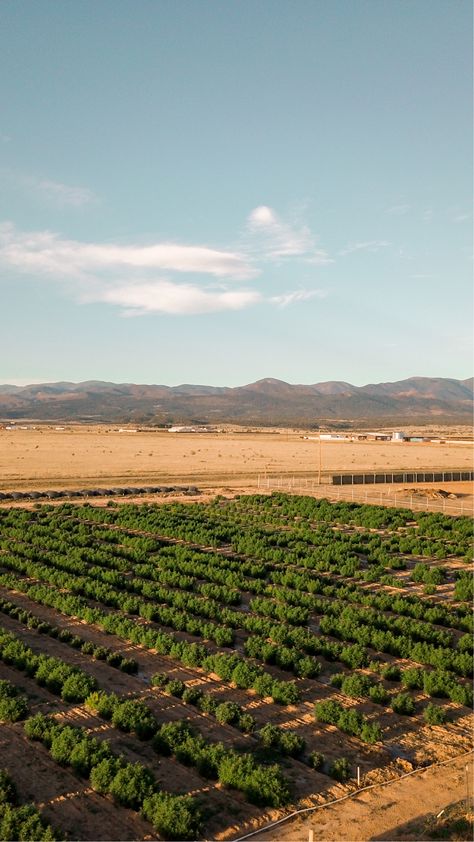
[356, 494]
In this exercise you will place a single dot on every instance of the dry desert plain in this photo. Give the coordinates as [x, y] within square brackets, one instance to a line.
[47, 457]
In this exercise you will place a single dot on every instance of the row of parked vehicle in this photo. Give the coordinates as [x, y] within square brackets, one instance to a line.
[129, 491]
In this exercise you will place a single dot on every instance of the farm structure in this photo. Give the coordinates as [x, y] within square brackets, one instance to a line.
[211, 666]
[413, 476]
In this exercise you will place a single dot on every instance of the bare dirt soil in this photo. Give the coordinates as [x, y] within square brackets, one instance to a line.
[45, 457]
[367, 816]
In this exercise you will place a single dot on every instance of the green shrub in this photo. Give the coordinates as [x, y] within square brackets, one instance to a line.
[159, 679]
[103, 773]
[434, 715]
[227, 713]
[173, 816]
[192, 695]
[356, 686]
[391, 673]
[269, 736]
[412, 678]
[131, 785]
[371, 732]
[291, 743]
[340, 769]
[133, 715]
[11, 710]
[404, 704]
[328, 711]
[378, 694]
[316, 760]
[7, 789]
[102, 703]
[78, 687]
[247, 723]
[175, 687]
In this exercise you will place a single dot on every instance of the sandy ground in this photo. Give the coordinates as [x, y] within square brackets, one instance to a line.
[44, 456]
[377, 813]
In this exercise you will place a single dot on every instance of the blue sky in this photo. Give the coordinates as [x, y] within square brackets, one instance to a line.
[215, 192]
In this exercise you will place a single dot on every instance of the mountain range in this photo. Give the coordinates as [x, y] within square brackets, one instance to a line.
[266, 402]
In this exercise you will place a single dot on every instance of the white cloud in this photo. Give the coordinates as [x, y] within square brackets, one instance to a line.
[367, 245]
[164, 296]
[297, 295]
[143, 279]
[46, 252]
[274, 239]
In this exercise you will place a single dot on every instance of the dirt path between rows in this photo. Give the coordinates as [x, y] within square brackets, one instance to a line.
[377, 813]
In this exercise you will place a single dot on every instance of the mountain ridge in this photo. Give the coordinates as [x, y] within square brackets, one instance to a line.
[266, 401]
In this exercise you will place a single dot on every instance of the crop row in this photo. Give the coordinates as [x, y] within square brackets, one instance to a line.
[131, 785]
[20, 821]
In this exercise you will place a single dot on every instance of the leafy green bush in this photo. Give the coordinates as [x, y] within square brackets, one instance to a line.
[175, 687]
[412, 678]
[328, 711]
[391, 673]
[77, 687]
[269, 736]
[291, 743]
[247, 723]
[434, 715]
[356, 686]
[340, 769]
[133, 715]
[378, 694]
[173, 816]
[7, 789]
[24, 823]
[316, 760]
[227, 713]
[404, 704]
[192, 695]
[103, 773]
[131, 785]
[102, 703]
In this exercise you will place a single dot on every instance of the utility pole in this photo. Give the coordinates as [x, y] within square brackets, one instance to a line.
[320, 458]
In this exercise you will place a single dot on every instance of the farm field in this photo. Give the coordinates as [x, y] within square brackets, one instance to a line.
[199, 670]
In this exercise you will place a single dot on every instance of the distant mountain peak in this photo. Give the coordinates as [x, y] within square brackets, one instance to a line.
[268, 401]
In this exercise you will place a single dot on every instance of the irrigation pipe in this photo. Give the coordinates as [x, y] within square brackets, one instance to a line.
[351, 795]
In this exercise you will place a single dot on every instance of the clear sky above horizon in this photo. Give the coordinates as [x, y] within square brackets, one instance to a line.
[215, 192]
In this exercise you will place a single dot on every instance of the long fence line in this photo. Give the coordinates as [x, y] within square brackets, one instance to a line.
[356, 494]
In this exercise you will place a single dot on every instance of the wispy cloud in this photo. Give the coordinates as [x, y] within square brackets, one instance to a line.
[52, 193]
[366, 245]
[398, 210]
[46, 252]
[274, 239]
[62, 195]
[297, 295]
[164, 296]
[141, 279]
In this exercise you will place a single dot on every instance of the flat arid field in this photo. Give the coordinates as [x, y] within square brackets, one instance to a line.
[42, 457]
